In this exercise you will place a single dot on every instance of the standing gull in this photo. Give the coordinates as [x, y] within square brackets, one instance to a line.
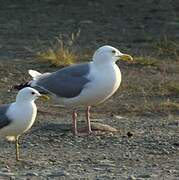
[18, 117]
[85, 84]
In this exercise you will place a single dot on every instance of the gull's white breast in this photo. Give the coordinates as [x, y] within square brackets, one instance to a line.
[105, 80]
[23, 117]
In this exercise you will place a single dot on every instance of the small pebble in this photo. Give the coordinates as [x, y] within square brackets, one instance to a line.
[176, 144]
[12, 178]
[58, 174]
[124, 167]
[145, 176]
[5, 170]
[5, 79]
[31, 174]
[131, 178]
[6, 174]
[130, 134]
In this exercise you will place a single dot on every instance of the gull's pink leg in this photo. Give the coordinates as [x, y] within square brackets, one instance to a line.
[74, 117]
[88, 120]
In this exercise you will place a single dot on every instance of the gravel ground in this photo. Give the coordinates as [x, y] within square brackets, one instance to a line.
[50, 151]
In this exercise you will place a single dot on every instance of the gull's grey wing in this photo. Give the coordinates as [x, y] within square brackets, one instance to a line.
[4, 120]
[67, 82]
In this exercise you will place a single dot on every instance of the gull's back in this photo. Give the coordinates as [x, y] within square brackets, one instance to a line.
[67, 82]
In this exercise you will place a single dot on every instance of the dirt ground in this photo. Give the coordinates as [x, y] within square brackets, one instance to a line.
[145, 104]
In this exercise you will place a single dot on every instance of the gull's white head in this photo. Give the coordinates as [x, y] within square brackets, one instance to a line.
[27, 94]
[107, 54]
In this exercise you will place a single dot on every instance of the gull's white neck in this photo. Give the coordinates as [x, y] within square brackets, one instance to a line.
[104, 63]
[23, 102]
[23, 99]
[106, 79]
[25, 108]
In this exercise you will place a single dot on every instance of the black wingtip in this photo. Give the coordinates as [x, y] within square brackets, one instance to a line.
[19, 86]
[26, 84]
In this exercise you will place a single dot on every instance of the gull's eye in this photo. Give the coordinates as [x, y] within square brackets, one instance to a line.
[113, 51]
[32, 93]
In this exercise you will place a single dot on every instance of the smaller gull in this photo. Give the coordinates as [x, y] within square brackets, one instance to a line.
[18, 117]
[84, 84]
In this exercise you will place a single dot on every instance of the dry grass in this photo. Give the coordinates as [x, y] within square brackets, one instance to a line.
[146, 61]
[61, 51]
[167, 47]
[147, 89]
[172, 87]
[149, 106]
[169, 106]
[58, 55]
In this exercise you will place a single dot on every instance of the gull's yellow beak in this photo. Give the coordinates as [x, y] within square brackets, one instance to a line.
[126, 57]
[44, 97]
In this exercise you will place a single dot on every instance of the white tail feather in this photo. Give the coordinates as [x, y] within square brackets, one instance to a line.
[35, 74]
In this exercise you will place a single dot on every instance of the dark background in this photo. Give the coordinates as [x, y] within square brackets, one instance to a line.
[125, 24]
